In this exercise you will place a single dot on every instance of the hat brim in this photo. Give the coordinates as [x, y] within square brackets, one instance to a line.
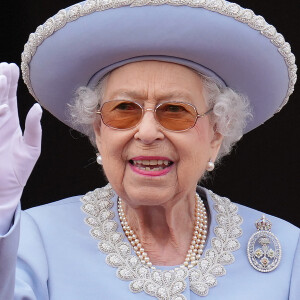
[256, 62]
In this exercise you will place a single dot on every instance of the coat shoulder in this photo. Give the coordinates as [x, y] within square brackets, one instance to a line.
[55, 212]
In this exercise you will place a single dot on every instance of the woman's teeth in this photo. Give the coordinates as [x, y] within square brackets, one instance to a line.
[151, 165]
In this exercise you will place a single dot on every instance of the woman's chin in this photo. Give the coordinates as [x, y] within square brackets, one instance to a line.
[148, 195]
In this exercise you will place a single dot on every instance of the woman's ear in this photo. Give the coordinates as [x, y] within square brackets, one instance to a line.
[215, 144]
[97, 131]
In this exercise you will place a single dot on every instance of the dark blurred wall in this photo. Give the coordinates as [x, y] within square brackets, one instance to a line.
[262, 172]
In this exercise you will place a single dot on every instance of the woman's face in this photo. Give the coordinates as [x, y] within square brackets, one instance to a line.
[181, 157]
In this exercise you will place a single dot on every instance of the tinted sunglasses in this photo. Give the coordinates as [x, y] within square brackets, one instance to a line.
[125, 114]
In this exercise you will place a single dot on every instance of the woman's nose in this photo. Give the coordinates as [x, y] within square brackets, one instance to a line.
[149, 130]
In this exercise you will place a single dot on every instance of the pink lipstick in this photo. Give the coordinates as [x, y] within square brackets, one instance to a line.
[151, 165]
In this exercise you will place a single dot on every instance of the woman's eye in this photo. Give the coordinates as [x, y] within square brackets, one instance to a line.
[174, 108]
[126, 106]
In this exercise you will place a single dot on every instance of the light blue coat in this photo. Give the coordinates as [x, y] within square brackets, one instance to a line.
[57, 259]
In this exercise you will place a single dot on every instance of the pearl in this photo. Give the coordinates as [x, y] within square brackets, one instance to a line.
[99, 159]
[210, 166]
[196, 246]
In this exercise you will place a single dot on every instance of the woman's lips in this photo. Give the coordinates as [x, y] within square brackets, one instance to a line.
[151, 165]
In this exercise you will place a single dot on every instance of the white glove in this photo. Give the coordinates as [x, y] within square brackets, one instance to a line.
[18, 152]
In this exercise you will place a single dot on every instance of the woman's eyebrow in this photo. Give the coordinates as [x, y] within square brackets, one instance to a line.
[136, 95]
[175, 94]
[143, 95]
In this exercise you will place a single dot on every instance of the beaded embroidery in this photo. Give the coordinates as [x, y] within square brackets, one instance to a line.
[164, 285]
[223, 7]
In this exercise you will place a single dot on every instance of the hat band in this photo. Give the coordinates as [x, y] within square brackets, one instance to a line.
[190, 64]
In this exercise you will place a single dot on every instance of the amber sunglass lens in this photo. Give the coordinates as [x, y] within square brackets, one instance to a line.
[176, 116]
[121, 114]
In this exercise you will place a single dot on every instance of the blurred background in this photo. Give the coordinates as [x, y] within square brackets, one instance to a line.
[262, 172]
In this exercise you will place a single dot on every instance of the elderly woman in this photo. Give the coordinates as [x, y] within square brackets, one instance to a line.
[160, 115]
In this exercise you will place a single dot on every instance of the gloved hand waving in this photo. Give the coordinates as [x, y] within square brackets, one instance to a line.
[18, 152]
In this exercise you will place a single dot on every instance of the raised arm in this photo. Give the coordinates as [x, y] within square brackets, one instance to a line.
[18, 152]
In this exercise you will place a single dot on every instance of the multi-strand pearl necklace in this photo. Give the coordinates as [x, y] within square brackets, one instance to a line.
[197, 243]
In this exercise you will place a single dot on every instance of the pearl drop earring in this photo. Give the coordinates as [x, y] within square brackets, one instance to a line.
[99, 159]
[210, 166]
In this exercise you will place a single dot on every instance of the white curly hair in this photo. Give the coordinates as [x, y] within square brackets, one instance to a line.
[231, 110]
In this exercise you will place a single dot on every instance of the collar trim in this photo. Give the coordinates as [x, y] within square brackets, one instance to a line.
[169, 284]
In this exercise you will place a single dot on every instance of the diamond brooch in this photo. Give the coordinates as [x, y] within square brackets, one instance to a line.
[264, 250]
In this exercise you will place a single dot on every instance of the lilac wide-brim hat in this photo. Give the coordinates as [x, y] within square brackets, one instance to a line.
[80, 44]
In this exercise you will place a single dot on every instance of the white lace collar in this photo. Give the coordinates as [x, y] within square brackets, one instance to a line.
[168, 284]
